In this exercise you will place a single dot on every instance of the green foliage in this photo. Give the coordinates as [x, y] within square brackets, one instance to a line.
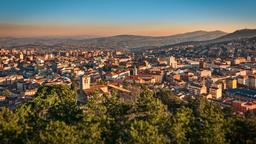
[208, 126]
[57, 132]
[181, 126]
[142, 132]
[55, 117]
[10, 129]
[241, 130]
[58, 103]
[169, 99]
[149, 108]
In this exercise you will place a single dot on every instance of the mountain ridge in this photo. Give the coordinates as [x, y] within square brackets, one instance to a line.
[242, 33]
[133, 41]
[236, 35]
[117, 41]
[185, 33]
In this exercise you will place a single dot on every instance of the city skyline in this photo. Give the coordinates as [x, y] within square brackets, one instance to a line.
[111, 17]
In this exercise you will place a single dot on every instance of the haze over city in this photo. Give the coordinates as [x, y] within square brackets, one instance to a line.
[114, 17]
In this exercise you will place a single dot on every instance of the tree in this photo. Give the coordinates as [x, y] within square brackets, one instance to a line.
[169, 99]
[57, 132]
[150, 109]
[118, 113]
[181, 126]
[57, 102]
[53, 116]
[10, 130]
[142, 132]
[108, 117]
[241, 130]
[208, 126]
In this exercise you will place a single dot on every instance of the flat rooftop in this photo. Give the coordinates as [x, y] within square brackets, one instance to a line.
[243, 92]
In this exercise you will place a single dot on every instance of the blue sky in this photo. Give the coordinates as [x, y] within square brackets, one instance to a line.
[131, 13]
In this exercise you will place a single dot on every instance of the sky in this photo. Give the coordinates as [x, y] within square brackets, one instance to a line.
[114, 17]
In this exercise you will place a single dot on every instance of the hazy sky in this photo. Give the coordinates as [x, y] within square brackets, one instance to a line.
[112, 17]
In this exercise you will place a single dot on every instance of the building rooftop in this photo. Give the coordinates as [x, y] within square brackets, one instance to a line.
[243, 92]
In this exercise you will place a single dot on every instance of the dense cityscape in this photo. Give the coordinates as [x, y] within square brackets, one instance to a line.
[136, 72]
[227, 76]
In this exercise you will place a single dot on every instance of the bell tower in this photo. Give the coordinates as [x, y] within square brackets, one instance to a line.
[85, 82]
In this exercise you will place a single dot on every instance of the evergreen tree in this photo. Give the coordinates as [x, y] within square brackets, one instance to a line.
[56, 132]
[181, 126]
[241, 130]
[142, 132]
[10, 130]
[53, 116]
[208, 125]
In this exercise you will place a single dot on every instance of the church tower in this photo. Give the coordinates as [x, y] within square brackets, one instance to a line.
[172, 62]
[85, 82]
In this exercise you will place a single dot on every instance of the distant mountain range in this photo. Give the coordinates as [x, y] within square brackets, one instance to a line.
[119, 41]
[241, 43]
[133, 41]
[237, 35]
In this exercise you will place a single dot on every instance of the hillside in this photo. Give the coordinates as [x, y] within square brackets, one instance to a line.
[241, 43]
[133, 41]
[239, 34]
[119, 41]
